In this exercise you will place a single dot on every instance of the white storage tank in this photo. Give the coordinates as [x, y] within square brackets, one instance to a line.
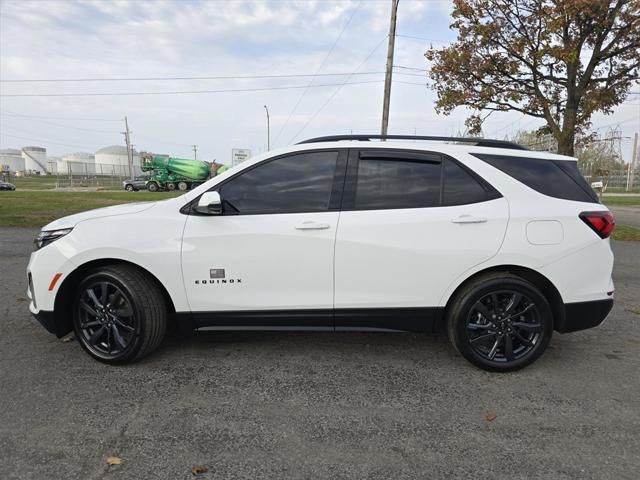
[113, 160]
[12, 158]
[35, 159]
[78, 163]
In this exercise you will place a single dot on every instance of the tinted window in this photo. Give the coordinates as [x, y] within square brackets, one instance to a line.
[296, 183]
[556, 178]
[385, 184]
[460, 187]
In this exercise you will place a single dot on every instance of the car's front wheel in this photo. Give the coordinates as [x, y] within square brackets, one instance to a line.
[129, 188]
[500, 322]
[119, 314]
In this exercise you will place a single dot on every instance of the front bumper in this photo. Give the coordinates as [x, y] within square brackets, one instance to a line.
[583, 315]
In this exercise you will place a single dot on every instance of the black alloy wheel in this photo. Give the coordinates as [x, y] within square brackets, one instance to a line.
[500, 322]
[120, 314]
[503, 326]
[107, 322]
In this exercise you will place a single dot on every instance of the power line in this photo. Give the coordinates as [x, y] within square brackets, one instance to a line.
[41, 140]
[13, 114]
[211, 77]
[411, 68]
[30, 132]
[335, 92]
[295, 107]
[229, 90]
[423, 38]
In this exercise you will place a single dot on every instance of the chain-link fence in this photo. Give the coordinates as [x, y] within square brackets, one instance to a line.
[72, 175]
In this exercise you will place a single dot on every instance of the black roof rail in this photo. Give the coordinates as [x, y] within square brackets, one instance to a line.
[480, 142]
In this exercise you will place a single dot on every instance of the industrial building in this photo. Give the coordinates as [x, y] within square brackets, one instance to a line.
[35, 160]
[78, 163]
[114, 161]
[11, 160]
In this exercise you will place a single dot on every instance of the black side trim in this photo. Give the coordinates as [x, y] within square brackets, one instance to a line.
[271, 318]
[583, 315]
[421, 319]
[48, 320]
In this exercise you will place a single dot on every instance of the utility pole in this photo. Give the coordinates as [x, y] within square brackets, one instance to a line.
[268, 130]
[127, 139]
[389, 72]
[632, 163]
[195, 151]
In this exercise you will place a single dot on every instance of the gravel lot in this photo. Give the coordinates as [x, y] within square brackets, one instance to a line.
[317, 405]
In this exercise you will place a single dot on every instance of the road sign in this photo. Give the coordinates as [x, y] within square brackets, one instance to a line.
[239, 155]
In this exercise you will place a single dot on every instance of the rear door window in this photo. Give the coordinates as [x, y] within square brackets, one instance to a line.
[555, 178]
[393, 179]
[390, 183]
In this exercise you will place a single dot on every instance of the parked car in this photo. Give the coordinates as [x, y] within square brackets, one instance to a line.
[494, 244]
[7, 186]
[135, 184]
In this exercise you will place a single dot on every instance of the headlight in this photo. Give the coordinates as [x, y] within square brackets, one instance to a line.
[44, 238]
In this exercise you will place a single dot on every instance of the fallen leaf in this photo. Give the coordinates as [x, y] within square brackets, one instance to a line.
[490, 417]
[114, 460]
[198, 469]
[68, 338]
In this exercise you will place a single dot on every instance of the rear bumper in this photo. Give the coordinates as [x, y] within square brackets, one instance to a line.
[583, 315]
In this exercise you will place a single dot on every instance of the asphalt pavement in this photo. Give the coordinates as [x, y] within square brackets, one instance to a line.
[317, 405]
[627, 215]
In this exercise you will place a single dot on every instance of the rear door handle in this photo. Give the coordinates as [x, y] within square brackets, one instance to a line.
[312, 226]
[469, 219]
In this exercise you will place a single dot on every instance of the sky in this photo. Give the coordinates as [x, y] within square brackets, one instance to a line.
[342, 43]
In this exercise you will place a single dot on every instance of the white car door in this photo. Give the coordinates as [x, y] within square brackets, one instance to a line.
[412, 222]
[268, 258]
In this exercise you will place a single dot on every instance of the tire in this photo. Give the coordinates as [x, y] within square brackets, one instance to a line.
[132, 306]
[129, 188]
[153, 187]
[500, 322]
[182, 186]
[171, 186]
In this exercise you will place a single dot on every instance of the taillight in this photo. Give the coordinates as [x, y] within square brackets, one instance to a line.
[602, 223]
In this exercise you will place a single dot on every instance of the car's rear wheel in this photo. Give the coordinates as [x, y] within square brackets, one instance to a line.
[500, 322]
[119, 314]
[129, 188]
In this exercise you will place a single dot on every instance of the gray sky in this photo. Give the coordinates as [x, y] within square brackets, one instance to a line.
[51, 39]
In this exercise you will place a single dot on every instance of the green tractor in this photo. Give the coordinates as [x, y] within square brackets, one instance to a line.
[168, 173]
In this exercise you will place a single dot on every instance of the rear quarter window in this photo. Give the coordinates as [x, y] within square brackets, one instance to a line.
[555, 178]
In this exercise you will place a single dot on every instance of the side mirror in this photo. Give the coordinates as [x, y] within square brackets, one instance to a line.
[209, 204]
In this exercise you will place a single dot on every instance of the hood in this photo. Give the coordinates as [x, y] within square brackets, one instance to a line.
[73, 220]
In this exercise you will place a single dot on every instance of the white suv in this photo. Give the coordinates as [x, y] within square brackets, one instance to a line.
[495, 244]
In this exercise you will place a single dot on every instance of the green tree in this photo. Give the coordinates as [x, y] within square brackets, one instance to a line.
[558, 60]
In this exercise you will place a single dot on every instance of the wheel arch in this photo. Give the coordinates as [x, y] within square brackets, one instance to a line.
[545, 285]
[63, 305]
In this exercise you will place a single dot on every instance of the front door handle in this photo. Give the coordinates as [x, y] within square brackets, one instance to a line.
[312, 226]
[469, 219]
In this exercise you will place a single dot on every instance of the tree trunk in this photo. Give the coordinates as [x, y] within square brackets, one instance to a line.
[565, 145]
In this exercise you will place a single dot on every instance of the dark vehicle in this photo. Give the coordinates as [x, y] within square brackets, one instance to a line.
[135, 184]
[7, 186]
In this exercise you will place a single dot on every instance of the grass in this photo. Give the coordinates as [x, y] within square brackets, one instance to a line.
[626, 233]
[621, 200]
[35, 209]
[49, 182]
